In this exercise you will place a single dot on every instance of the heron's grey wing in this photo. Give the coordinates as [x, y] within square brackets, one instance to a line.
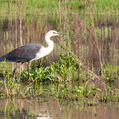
[23, 53]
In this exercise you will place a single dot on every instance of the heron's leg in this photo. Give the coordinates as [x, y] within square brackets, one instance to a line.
[28, 70]
[16, 69]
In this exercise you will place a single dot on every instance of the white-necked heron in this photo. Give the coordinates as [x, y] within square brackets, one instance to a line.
[30, 52]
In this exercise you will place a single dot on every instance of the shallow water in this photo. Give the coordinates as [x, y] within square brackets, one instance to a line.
[51, 109]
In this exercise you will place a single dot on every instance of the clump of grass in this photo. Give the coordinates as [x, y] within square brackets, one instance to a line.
[63, 70]
[9, 85]
[111, 72]
[41, 74]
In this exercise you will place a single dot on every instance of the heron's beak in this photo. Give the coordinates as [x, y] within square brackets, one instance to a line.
[62, 34]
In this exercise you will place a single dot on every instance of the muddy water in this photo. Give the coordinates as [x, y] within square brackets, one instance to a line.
[52, 109]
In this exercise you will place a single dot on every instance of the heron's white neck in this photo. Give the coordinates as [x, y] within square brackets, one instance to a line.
[50, 44]
[45, 50]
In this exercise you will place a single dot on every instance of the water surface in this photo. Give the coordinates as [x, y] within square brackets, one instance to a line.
[43, 108]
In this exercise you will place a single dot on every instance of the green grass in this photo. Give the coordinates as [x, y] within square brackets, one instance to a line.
[36, 7]
[106, 4]
[63, 80]
[45, 9]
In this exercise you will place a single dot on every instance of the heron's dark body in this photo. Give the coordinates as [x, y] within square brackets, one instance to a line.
[22, 54]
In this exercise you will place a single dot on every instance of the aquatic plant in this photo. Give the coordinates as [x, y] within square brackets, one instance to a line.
[63, 70]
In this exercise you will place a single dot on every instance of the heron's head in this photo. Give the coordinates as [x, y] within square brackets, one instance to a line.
[53, 33]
